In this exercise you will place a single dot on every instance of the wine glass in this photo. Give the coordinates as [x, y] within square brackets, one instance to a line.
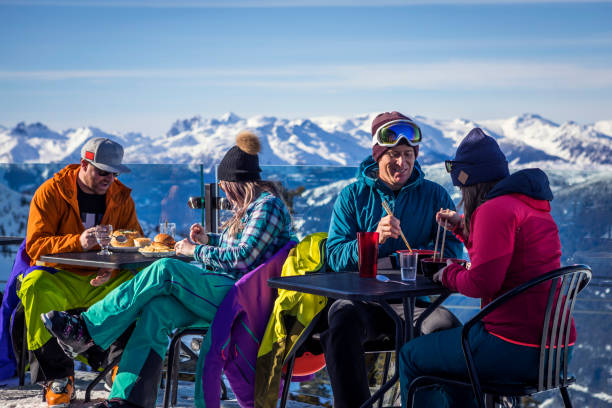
[103, 236]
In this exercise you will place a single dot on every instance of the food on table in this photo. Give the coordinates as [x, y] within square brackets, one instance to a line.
[142, 242]
[124, 238]
[161, 243]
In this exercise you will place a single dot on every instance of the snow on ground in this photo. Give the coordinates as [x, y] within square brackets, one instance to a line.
[12, 396]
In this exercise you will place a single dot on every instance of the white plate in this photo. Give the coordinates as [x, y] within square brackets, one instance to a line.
[157, 254]
[123, 249]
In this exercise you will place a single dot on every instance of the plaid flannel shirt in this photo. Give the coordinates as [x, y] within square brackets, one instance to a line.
[267, 228]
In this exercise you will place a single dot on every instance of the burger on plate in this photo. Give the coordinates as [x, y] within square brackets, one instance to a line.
[161, 243]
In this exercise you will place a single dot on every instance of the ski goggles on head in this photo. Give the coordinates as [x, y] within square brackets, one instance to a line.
[391, 133]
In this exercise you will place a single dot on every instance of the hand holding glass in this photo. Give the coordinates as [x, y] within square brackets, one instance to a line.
[103, 236]
[408, 265]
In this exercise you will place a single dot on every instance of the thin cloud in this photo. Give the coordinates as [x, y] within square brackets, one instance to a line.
[450, 75]
[270, 3]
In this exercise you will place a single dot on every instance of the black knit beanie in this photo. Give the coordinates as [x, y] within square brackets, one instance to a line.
[478, 159]
[241, 162]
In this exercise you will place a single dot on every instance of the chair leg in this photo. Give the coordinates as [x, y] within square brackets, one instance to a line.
[566, 398]
[385, 374]
[412, 389]
[287, 383]
[223, 391]
[175, 371]
[24, 352]
[99, 377]
[489, 400]
[170, 368]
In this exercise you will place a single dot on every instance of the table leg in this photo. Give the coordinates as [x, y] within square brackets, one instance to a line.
[409, 304]
[403, 332]
[433, 305]
[399, 341]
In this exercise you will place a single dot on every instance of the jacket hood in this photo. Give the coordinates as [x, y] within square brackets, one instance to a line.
[65, 180]
[530, 182]
[368, 173]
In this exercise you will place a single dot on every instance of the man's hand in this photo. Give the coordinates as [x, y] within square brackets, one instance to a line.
[184, 247]
[197, 234]
[102, 277]
[388, 227]
[88, 238]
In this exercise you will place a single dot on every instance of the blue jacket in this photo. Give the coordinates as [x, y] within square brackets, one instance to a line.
[359, 208]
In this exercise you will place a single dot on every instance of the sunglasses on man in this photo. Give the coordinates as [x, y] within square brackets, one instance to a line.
[103, 173]
[391, 133]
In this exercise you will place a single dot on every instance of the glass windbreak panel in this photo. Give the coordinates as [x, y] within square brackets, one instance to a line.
[160, 192]
[310, 192]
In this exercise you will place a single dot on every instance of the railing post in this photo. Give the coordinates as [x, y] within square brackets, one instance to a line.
[210, 207]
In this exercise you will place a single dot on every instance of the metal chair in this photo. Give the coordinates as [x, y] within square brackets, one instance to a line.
[384, 346]
[552, 373]
[172, 370]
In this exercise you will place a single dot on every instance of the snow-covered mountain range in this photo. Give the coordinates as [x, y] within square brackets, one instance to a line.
[316, 141]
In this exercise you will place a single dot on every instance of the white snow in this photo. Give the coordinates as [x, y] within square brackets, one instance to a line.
[325, 140]
[12, 396]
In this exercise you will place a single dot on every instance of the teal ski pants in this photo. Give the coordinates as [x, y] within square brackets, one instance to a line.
[167, 295]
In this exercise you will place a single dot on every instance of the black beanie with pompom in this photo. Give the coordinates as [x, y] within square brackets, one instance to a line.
[241, 162]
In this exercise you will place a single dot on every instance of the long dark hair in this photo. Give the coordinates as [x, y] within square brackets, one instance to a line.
[472, 197]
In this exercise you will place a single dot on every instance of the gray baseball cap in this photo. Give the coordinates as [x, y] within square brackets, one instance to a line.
[104, 154]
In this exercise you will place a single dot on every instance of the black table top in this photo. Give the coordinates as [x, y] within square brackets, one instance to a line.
[9, 240]
[117, 260]
[348, 285]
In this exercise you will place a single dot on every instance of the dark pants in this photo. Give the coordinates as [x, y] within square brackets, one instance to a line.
[351, 325]
[440, 354]
[49, 362]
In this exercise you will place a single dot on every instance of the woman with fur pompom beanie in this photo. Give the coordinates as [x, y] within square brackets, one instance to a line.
[171, 294]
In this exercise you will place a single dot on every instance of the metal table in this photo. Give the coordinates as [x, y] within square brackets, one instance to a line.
[348, 285]
[116, 260]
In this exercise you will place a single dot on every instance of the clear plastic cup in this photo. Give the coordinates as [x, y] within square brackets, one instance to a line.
[408, 265]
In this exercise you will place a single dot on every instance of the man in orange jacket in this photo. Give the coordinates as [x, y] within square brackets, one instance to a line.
[64, 212]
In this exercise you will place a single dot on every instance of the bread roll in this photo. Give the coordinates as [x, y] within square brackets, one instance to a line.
[141, 242]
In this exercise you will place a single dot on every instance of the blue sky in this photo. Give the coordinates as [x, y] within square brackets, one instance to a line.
[138, 65]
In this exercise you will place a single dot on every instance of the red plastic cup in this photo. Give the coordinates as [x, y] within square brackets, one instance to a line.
[367, 246]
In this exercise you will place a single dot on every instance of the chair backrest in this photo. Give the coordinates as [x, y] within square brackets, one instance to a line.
[566, 283]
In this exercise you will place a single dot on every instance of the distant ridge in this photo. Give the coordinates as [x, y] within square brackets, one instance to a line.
[528, 138]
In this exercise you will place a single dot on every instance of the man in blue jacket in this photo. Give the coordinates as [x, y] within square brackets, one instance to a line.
[391, 174]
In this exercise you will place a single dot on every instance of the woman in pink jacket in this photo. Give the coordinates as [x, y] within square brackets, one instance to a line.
[511, 238]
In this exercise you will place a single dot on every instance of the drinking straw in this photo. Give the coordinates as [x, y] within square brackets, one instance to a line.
[388, 210]
[436, 246]
[166, 226]
[443, 239]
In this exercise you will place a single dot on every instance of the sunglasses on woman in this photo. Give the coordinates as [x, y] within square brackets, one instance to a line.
[391, 133]
[450, 164]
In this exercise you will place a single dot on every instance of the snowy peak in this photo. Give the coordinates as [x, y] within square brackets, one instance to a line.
[34, 130]
[325, 140]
